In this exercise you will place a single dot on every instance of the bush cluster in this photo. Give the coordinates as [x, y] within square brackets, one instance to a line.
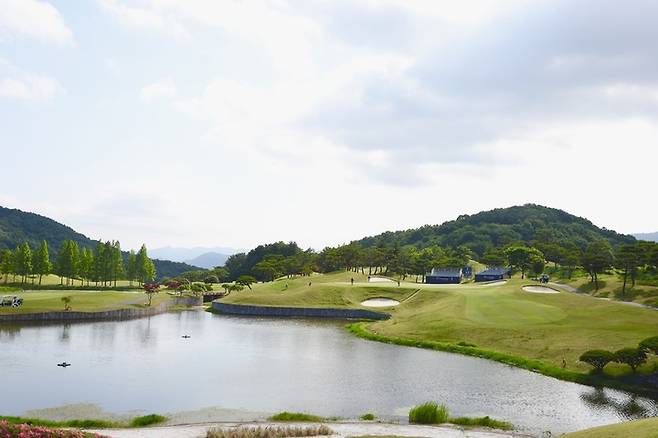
[632, 356]
[10, 430]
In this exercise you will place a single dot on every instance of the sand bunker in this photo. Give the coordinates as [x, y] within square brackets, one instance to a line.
[380, 302]
[540, 290]
[380, 280]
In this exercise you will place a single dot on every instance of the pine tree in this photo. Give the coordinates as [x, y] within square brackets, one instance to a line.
[42, 265]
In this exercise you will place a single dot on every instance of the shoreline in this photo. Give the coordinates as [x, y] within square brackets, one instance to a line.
[296, 312]
[340, 429]
[360, 330]
[117, 314]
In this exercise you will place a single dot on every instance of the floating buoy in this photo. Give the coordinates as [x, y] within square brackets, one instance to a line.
[64, 364]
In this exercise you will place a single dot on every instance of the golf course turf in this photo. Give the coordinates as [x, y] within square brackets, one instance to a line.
[540, 330]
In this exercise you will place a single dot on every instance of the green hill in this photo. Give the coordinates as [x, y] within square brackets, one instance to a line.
[501, 226]
[17, 226]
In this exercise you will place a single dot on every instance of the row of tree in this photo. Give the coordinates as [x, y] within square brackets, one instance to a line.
[104, 265]
[268, 262]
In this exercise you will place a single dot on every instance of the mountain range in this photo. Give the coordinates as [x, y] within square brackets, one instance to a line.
[498, 227]
[203, 257]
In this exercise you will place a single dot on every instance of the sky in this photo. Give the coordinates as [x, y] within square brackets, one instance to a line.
[235, 123]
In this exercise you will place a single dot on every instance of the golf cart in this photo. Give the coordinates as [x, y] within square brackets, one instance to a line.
[11, 301]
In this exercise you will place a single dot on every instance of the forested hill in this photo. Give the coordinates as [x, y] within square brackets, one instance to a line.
[17, 226]
[496, 228]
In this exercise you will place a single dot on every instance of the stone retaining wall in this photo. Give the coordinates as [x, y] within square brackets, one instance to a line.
[109, 314]
[297, 312]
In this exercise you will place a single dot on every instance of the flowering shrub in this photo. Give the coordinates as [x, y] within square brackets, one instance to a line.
[8, 430]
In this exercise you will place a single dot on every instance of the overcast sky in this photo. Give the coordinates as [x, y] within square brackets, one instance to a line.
[234, 123]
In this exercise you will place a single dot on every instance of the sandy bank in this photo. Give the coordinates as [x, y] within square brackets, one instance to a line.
[340, 430]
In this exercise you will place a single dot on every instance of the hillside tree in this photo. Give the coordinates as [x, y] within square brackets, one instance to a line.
[42, 265]
[596, 259]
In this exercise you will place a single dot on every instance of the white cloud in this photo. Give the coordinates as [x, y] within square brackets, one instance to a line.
[162, 89]
[145, 18]
[33, 19]
[29, 87]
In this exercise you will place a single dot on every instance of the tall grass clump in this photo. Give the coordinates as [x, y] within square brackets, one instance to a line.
[482, 422]
[295, 416]
[428, 413]
[147, 420]
[269, 432]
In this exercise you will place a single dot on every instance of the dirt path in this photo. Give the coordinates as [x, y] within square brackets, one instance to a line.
[340, 430]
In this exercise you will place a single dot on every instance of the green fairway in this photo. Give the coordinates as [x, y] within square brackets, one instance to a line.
[82, 301]
[636, 429]
[610, 286]
[502, 318]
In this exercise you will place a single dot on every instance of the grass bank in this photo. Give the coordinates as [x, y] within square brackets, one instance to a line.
[637, 429]
[143, 421]
[81, 301]
[361, 330]
[540, 332]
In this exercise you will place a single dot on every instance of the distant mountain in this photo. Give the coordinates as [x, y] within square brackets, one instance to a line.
[17, 226]
[208, 260]
[653, 237]
[502, 226]
[181, 254]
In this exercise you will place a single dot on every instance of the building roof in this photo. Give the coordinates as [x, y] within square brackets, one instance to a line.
[445, 272]
[495, 270]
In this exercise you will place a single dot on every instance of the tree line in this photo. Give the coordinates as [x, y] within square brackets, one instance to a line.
[104, 265]
[267, 262]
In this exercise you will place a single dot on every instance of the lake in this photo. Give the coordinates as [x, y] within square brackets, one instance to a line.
[271, 365]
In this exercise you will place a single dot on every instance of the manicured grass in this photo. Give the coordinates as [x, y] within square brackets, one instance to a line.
[296, 416]
[533, 331]
[83, 301]
[146, 420]
[636, 429]
[610, 286]
[55, 280]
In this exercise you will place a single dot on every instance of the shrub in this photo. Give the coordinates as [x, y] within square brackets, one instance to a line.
[147, 420]
[11, 430]
[597, 358]
[269, 432]
[482, 422]
[368, 417]
[428, 413]
[650, 345]
[295, 416]
[633, 357]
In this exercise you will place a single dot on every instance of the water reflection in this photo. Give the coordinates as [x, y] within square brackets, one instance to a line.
[626, 406]
[270, 365]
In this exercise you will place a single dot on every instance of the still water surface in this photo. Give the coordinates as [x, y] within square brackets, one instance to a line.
[271, 365]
